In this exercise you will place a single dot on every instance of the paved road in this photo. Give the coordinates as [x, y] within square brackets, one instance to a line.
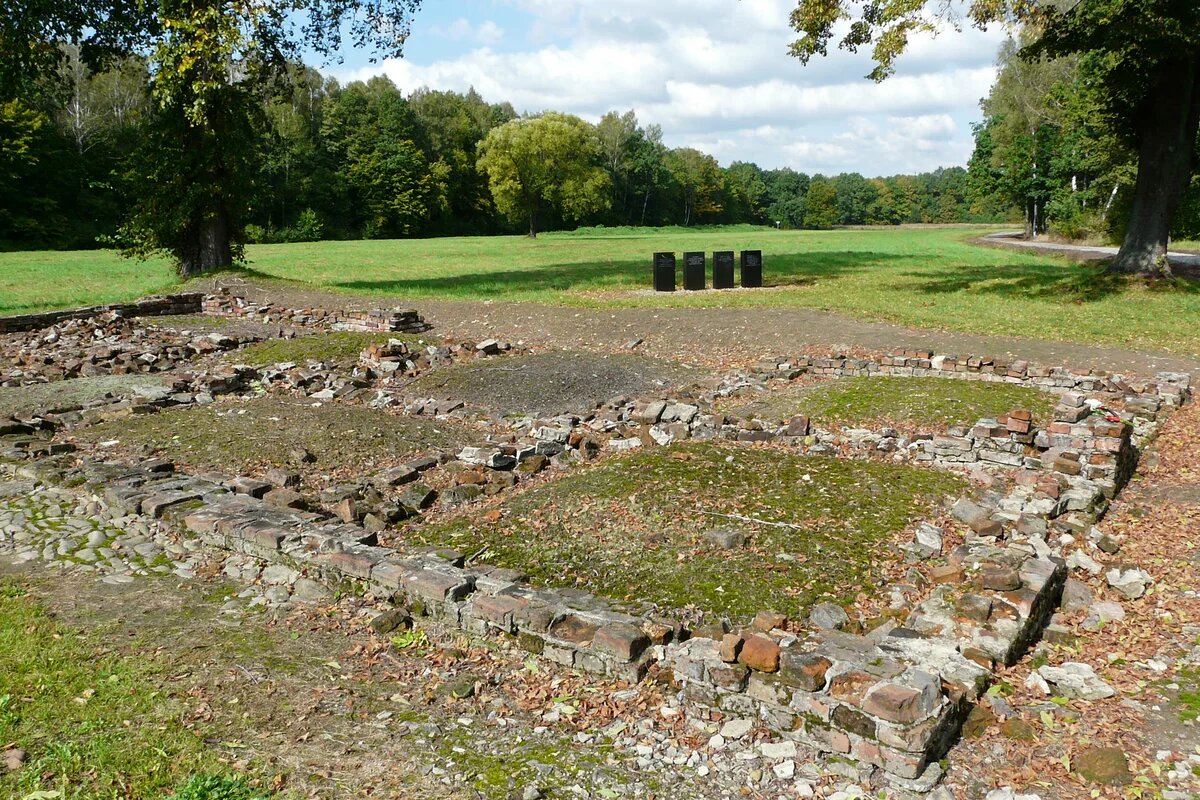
[1011, 239]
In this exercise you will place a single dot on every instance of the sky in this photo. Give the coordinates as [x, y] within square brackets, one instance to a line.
[715, 74]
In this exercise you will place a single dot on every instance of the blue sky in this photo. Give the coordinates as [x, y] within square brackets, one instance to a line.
[715, 74]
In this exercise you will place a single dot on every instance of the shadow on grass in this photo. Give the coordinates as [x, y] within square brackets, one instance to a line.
[791, 269]
[1083, 283]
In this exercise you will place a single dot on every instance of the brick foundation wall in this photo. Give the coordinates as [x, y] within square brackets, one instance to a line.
[150, 307]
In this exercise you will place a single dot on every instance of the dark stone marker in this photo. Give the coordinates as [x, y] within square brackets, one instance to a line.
[664, 272]
[751, 269]
[723, 269]
[694, 265]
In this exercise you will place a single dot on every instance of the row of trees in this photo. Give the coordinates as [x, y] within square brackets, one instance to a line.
[1048, 149]
[1107, 84]
[322, 160]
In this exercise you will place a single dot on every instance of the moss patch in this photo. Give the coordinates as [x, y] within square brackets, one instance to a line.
[42, 398]
[1188, 699]
[550, 383]
[335, 346]
[907, 403]
[634, 527]
[245, 435]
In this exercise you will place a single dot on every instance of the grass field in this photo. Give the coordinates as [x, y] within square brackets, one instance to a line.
[94, 723]
[925, 277]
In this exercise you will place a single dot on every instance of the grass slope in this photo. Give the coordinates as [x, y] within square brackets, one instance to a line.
[920, 277]
[633, 528]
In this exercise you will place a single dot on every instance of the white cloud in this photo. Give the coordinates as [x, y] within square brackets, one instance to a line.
[716, 74]
[461, 30]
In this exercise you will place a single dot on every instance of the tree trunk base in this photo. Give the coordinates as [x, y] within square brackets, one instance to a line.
[210, 248]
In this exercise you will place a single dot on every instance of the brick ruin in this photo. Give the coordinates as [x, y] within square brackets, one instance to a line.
[893, 693]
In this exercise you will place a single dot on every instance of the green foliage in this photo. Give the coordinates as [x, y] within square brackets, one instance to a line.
[217, 787]
[701, 183]
[545, 165]
[1141, 65]
[821, 204]
[27, 151]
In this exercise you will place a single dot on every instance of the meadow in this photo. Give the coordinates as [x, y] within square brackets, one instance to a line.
[922, 277]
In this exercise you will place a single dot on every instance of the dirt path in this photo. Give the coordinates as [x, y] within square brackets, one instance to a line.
[724, 335]
[740, 334]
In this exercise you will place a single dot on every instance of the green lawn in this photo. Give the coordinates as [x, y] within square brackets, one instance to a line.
[94, 723]
[920, 277]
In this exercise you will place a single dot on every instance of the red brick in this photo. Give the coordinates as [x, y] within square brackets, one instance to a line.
[766, 621]
[760, 653]
[947, 573]
[851, 686]
[573, 629]
[389, 574]
[805, 671]
[355, 563]
[622, 640]
[497, 609]
[896, 702]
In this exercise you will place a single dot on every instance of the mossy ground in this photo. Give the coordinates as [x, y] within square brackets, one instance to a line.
[329, 347]
[1188, 699]
[633, 527]
[243, 436]
[914, 404]
[550, 383]
[41, 398]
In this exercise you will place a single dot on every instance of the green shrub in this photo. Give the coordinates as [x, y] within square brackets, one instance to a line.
[216, 787]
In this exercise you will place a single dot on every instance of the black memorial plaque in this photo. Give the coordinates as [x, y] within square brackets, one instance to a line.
[664, 272]
[723, 269]
[694, 266]
[752, 270]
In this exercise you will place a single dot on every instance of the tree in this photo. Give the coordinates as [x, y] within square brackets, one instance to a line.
[545, 164]
[208, 58]
[745, 192]
[648, 169]
[1145, 57]
[855, 196]
[617, 134]
[820, 204]
[786, 190]
[375, 136]
[454, 124]
[700, 181]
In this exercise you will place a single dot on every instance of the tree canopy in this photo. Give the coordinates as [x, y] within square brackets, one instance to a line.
[1142, 55]
[209, 59]
[550, 164]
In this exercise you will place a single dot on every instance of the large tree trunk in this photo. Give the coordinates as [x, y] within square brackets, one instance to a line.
[1168, 122]
[208, 247]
